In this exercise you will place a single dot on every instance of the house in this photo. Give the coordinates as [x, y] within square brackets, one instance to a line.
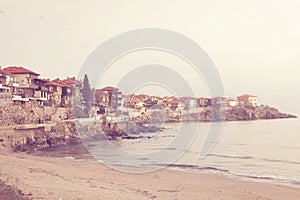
[25, 80]
[66, 93]
[204, 102]
[101, 100]
[142, 97]
[5, 90]
[248, 100]
[189, 102]
[232, 102]
[41, 93]
[66, 96]
[114, 98]
[219, 101]
[139, 104]
[173, 105]
[75, 86]
[55, 91]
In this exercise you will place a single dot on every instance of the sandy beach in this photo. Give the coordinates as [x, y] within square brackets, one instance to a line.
[59, 178]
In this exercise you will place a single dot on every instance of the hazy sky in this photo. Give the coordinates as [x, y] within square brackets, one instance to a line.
[255, 44]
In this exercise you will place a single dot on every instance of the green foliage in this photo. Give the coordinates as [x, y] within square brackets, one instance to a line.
[86, 94]
[86, 90]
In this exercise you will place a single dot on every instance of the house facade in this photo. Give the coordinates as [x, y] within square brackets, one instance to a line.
[189, 102]
[55, 91]
[219, 101]
[114, 98]
[25, 86]
[101, 99]
[232, 102]
[204, 102]
[248, 100]
[75, 86]
[5, 90]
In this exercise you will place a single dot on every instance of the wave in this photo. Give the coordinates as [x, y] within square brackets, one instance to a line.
[282, 161]
[195, 167]
[230, 156]
[266, 177]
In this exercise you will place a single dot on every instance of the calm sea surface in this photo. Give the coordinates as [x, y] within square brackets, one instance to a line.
[267, 150]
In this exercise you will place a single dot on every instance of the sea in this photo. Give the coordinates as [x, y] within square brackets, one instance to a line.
[260, 150]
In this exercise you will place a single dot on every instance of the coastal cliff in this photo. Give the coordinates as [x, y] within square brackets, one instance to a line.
[253, 113]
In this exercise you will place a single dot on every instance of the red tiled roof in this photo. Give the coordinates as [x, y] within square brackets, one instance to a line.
[57, 82]
[135, 101]
[98, 91]
[204, 98]
[218, 97]
[54, 83]
[109, 88]
[19, 70]
[64, 84]
[71, 80]
[246, 96]
[6, 73]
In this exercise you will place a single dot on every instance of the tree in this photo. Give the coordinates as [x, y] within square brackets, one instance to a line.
[86, 93]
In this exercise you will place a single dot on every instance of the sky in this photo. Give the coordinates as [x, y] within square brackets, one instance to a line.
[254, 44]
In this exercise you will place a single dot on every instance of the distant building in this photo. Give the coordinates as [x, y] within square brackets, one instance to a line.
[101, 99]
[204, 102]
[248, 100]
[189, 102]
[114, 98]
[219, 101]
[232, 102]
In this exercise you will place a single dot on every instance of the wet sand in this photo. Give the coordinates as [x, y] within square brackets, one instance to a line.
[59, 178]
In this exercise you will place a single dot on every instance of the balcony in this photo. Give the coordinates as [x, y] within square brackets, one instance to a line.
[26, 85]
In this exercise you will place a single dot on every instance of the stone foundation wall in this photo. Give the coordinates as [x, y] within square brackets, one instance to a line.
[30, 113]
[35, 137]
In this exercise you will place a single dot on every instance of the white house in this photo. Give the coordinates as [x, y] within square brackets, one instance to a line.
[248, 100]
[232, 102]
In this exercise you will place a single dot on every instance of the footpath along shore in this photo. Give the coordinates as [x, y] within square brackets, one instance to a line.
[41, 177]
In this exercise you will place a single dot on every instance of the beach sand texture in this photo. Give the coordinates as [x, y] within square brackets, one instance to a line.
[58, 178]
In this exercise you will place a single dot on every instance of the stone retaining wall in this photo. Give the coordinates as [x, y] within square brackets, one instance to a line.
[30, 113]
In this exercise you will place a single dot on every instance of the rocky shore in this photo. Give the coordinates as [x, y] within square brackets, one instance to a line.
[237, 113]
[254, 113]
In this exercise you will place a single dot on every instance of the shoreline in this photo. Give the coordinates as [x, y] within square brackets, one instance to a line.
[83, 155]
[71, 179]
